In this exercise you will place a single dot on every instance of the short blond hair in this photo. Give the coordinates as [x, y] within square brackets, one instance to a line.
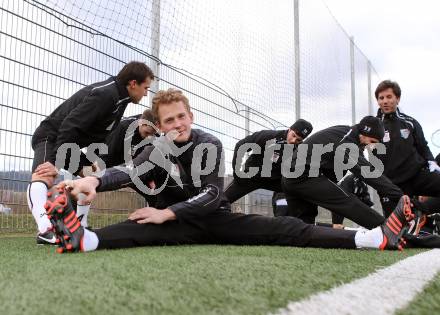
[169, 96]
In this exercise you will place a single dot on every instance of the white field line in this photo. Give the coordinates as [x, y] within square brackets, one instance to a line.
[382, 292]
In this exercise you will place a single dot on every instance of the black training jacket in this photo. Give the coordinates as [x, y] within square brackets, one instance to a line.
[186, 197]
[407, 149]
[339, 135]
[88, 116]
[115, 142]
[263, 138]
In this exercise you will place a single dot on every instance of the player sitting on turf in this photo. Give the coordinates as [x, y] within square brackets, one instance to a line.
[86, 117]
[191, 208]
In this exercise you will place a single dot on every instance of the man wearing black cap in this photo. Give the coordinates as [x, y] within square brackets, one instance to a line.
[323, 159]
[408, 162]
[262, 170]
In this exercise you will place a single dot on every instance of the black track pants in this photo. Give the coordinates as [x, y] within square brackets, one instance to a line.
[241, 187]
[223, 227]
[321, 191]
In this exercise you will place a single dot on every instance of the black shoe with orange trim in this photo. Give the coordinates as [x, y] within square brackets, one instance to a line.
[396, 225]
[62, 215]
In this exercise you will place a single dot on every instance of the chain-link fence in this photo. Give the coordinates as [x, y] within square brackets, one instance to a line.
[245, 66]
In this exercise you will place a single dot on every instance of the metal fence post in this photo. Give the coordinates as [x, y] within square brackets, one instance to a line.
[247, 130]
[297, 61]
[155, 44]
[370, 101]
[353, 86]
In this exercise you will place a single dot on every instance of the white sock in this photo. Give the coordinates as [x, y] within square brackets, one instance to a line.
[90, 241]
[369, 238]
[37, 197]
[354, 228]
[82, 211]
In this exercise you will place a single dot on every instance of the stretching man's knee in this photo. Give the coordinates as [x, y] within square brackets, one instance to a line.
[46, 173]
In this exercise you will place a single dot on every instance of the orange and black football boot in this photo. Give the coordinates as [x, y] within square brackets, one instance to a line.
[66, 226]
[396, 225]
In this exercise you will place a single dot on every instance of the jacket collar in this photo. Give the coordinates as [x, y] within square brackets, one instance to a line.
[394, 115]
[355, 135]
[281, 137]
[122, 90]
[352, 135]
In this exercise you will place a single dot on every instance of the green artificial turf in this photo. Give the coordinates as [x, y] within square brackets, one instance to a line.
[427, 302]
[173, 279]
[24, 223]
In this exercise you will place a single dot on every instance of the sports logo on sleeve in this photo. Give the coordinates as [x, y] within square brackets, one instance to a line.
[404, 133]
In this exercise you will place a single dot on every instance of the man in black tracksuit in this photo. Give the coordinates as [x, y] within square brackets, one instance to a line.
[408, 161]
[125, 143]
[317, 183]
[264, 161]
[141, 127]
[85, 118]
[191, 208]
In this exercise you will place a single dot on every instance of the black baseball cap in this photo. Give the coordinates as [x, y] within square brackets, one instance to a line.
[371, 126]
[302, 128]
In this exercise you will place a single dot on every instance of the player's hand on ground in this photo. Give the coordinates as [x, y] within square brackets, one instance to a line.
[152, 215]
[46, 169]
[86, 186]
